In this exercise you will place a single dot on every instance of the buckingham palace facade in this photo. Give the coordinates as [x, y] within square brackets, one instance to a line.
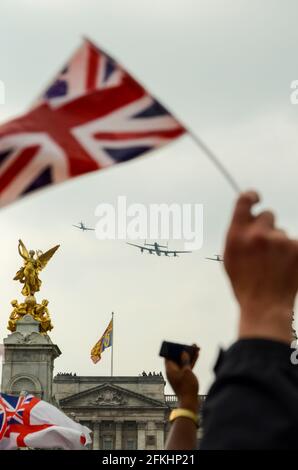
[122, 412]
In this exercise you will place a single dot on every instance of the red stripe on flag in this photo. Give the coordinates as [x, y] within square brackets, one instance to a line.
[20, 162]
[93, 64]
[23, 431]
[99, 103]
[27, 409]
[167, 134]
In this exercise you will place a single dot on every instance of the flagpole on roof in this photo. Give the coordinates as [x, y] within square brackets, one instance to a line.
[112, 350]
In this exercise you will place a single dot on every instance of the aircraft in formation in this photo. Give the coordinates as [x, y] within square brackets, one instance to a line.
[216, 258]
[82, 226]
[153, 248]
[157, 249]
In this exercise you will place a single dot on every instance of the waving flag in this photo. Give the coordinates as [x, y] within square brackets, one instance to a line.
[27, 421]
[103, 343]
[92, 116]
[3, 421]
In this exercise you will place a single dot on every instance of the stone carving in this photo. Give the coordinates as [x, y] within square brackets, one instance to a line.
[109, 397]
[14, 338]
[36, 338]
[27, 336]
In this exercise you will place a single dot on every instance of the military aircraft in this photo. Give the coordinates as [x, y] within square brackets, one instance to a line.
[82, 226]
[216, 258]
[155, 248]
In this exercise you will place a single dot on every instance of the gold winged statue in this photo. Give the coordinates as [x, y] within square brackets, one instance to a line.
[34, 262]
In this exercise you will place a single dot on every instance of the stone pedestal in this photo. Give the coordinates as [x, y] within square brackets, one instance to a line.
[28, 361]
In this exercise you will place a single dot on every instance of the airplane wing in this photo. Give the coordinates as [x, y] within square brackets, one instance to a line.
[174, 251]
[139, 246]
[214, 259]
[77, 226]
[87, 228]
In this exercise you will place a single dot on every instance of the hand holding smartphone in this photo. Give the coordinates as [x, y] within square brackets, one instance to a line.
[173, 351]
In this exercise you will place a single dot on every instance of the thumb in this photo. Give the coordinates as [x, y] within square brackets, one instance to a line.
[185, 360]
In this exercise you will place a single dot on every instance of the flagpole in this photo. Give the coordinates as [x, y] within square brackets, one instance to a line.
[216, 162]
[112, 352]
[209, 154]
[197, 140]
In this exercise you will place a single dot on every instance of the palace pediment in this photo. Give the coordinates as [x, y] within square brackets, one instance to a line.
[109, 396]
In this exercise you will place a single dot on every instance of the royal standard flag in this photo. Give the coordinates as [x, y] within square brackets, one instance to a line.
[103, 343]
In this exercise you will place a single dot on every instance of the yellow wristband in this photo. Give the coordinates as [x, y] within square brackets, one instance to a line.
[184, 413]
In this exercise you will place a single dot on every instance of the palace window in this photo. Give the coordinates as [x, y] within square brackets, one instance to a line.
[150, 440]
[108, 425]
[131, 444]
[107, 443]
[130, 425]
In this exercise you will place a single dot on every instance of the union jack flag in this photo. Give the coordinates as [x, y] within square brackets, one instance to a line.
[3, 422]
[27, 421]
[14, 415]
[92, 116]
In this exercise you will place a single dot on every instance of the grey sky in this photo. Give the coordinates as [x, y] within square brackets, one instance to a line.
[225, 68]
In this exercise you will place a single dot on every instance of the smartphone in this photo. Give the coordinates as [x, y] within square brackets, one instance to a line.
[173, 351]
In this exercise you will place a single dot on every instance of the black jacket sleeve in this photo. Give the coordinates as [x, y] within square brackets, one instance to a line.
[253, 403]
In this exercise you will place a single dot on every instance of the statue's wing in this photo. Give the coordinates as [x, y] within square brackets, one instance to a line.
[23, 250]
[19, 275]
[44, 258]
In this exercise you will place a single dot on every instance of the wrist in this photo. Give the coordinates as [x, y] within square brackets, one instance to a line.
[184, 413]
[189, 403]
[273, 322]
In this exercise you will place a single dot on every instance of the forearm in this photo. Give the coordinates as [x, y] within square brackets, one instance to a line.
[183, 433]
[263, 322]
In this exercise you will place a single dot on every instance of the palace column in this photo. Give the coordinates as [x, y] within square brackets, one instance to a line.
[118, 440]
[160, 435]
[96, 435]
[141, 435]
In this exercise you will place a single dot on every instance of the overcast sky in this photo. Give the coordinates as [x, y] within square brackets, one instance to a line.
[223, 67]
